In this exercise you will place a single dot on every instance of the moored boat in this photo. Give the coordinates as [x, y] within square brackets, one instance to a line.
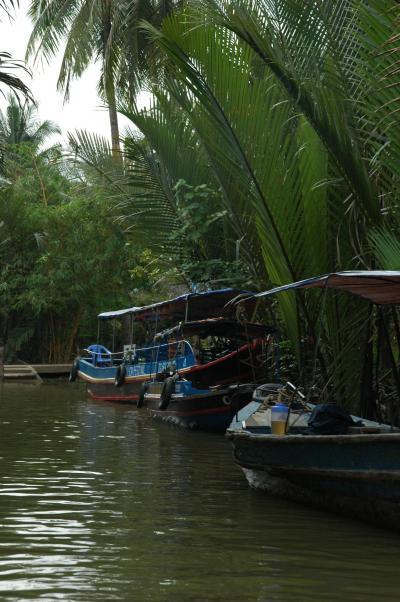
[120, 376]
[233, 354]
[231, 357]
[354, 470]
[210, 408]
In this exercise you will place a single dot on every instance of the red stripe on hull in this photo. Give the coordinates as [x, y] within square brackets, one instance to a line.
[109, 398]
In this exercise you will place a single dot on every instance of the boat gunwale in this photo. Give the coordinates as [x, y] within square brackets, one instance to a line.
[148, 376]
[179, 397]
[300, 438]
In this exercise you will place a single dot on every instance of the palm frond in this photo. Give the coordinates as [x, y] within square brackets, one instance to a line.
[285, 143]
[386, 247]
[315, 83]
[8, 6]
[10, 81]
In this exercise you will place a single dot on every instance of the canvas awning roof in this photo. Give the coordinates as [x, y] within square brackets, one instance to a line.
[380, 286]
[193, 306]
[222, 327]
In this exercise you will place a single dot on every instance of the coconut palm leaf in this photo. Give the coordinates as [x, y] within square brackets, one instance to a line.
[8, 6]
[249, 160]
[386, 246]
[8, 79]
[19, 123]
[132, 189]
[281, 157]
[172, 153]
[94, 30]
[281, 32]
[93, 158]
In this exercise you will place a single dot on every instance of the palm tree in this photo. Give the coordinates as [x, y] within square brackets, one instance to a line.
[97, 30]
[289, 110]
[7, 65]
[22, 140]
[295, 104]
[19, 124]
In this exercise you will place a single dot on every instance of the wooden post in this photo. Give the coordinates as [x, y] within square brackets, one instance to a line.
[392, 360]
[1, 363]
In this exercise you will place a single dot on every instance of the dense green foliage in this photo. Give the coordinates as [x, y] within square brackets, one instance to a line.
[63, 256]
[268, 153]
[293, 137]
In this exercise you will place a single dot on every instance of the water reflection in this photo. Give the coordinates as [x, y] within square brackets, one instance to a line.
[98, 502]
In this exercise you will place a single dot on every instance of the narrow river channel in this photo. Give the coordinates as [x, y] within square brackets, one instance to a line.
[99, 502]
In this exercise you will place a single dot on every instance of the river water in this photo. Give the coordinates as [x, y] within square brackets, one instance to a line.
[99, 502]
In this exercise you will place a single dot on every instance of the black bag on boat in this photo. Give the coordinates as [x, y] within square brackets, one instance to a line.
[330, 419]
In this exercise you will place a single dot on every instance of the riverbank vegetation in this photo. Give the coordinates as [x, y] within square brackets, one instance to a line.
[268, 152]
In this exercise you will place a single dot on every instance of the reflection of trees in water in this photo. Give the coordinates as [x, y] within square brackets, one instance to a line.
[138, 503]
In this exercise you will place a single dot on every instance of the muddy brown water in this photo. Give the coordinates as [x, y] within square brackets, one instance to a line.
[99, 502]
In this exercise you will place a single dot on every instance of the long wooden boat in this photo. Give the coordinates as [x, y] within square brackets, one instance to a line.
[149, 363]
[356, 472]
[232, 352]
[210, 408]
[210, 393]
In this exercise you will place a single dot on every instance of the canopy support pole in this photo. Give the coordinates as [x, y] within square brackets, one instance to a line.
[317, 356]
[391, 356]
[367, 375]
[131, 329]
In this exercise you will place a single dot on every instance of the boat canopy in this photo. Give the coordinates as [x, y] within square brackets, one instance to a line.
[380, 287]
[231, 329]
[194, 306]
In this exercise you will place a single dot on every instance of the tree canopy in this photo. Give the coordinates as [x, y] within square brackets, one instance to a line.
[268, 152]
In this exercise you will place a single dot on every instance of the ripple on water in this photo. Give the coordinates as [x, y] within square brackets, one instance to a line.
[100, 503]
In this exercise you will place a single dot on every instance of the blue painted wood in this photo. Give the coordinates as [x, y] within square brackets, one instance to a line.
[322, 452]
[135, 369]
[96, 372]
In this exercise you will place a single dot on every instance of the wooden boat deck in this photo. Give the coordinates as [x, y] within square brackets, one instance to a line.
[19, 372]
[16, 372]
[52, 369]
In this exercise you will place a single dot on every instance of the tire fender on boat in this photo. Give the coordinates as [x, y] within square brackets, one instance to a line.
[166, 392]
[227, 400]
[144, 387]
[74, 371]
[120, 375]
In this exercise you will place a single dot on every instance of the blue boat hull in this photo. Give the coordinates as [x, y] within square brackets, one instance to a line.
[232, 368]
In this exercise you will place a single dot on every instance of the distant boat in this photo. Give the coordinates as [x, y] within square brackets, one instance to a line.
[356, 471]
[210, 392]
[209, 354]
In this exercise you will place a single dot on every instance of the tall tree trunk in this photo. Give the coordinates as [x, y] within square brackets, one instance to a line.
[108, 82]
[113, 116]
[69, 349]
